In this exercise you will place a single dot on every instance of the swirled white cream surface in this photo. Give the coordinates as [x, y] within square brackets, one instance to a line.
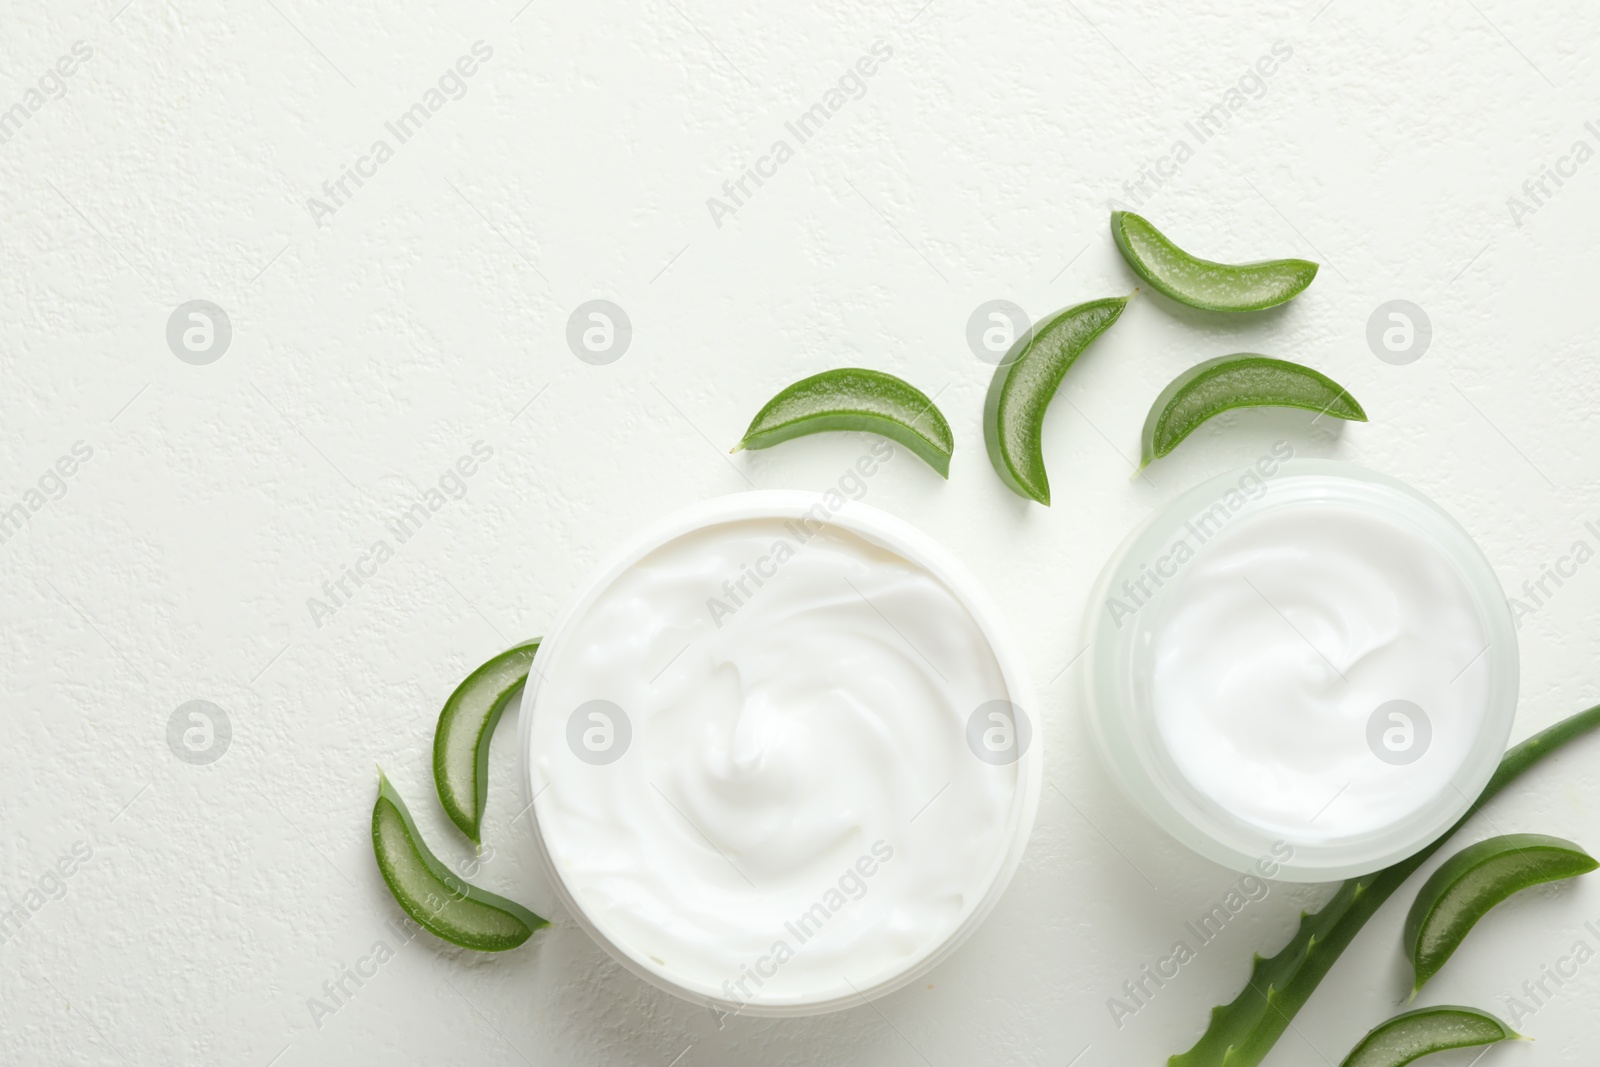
[796, 810]
[1318, 670]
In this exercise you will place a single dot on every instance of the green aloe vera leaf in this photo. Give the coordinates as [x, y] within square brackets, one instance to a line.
[851, 398]
[466, 725]
[1199, 282]
[1425, 1031]
[431, 894]
[1467, 885]
[1242, 1032]
[1238, 381]
[1024, 384]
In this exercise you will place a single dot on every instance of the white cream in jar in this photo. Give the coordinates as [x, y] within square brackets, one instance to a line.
[1302, 662]
[1276, 645]
[749, 748]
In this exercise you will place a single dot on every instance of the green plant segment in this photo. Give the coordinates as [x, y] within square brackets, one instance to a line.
[1242, 1032]
[1199, 282]
[466, 725]
[1425, 1031]
[851, 398]
[1024, 384]
[1474, 880]
[425, 888]
[1238, 381]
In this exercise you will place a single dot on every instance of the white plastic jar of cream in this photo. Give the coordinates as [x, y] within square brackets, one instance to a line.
[780, 754]
[1301, 667]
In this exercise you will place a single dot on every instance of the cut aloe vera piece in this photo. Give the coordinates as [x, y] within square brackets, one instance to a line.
[853, 398]
[1409, 1037]
[466, 724]
[1238, 381]
[1024, 384]
[1200, 283]
[1469, 884]
[425, 888]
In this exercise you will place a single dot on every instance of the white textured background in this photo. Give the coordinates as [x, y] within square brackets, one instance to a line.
[430, 312]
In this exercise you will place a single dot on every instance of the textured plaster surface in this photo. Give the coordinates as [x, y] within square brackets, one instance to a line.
[374, 344]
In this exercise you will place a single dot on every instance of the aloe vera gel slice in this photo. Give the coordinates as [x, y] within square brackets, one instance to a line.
[1425, 1031]
[425, 888]
[1024, 384]
[1199, 282]
[1474, 880]
[1242, 380]
[466, 724]
[852, 398]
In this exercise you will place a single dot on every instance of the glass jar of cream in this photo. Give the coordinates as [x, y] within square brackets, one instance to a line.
[1301, 663]
[780, 754]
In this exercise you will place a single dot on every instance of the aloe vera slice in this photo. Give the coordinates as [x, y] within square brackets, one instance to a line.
[1425, 1031]
[466, 724]
[1201, 283]
[1473, 881]
[1024, 384]
[440, 902]
[852, 398]
[1242, 1032]
[1238, 381]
